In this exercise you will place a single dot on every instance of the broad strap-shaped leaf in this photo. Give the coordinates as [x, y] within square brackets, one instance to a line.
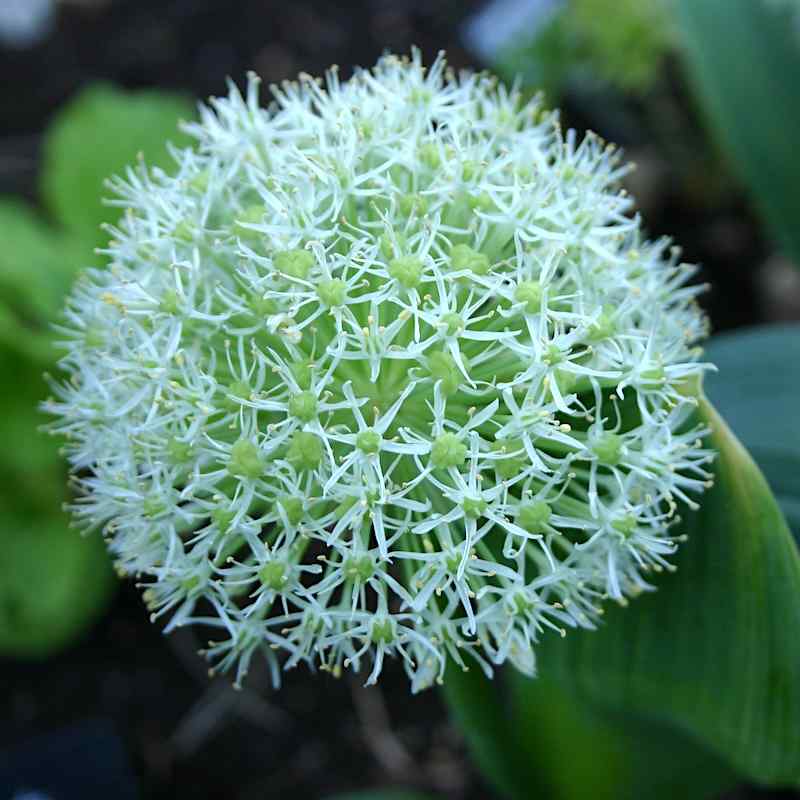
[715, 651]
[744, 61]
[757, 392]
[542, 738]
[479, 707]
[613, 754]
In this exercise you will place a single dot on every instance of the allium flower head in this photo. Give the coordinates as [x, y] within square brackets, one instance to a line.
[384, 369]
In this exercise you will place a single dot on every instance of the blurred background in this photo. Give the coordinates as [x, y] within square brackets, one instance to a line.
[92, 698]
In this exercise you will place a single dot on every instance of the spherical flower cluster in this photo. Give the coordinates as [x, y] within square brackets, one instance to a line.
[384, 369]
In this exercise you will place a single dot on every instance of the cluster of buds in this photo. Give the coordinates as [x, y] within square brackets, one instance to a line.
[386, 369]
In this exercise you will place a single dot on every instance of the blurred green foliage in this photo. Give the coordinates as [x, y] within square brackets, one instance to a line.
[54, 582]
[756, 390]
[743, 59]
[98, 135]
[619, 42]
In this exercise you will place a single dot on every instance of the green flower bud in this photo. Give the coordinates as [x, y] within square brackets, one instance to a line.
[448, 451]
[305, 451]
[245, 460]
[294, 263]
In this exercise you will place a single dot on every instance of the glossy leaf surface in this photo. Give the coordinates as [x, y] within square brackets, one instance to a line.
[743, 58]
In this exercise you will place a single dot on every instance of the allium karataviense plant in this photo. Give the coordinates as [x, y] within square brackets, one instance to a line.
[386, 368]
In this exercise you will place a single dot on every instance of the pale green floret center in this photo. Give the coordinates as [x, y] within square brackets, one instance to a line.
[294, 263]
[452, 322]
[94, 337]
[305, 451]
[237, 391]
[448, 451]
[474, 507]
[293, 508]
[532, 517]
[529, 293]
[411, 204]
[452, 562]
[222, 518]
[382, 631]
[462, 257]
[170, 303]
[153, 506]
[273, 575]
[200, 181]
[262, 306]
[429, 155]
[552, 355]
[522, 604]
[608, 449]
[179, 452]
[253, 215]
[443, 368]
[332, 293]
[407, 271]
[512, 465]
[303, 406]
[480, 202]
[625, 525]
[190, 584]
[604, 326]
[359, 568]
[245, 460]
[369, 441]
[654, 375]
[303, 372]
[185, 232]
[469, 170]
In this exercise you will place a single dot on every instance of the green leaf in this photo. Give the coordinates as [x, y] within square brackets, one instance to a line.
[37, 266]
[621, 42]
[756, 391]
[53, 583]
[476, 704]
[519, 730]
[544, 61]
[715, 650]
[31, 470]
[744, 62]
[614, 755]
[96, 136]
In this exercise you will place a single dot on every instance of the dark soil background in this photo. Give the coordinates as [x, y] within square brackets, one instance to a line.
[182, 735]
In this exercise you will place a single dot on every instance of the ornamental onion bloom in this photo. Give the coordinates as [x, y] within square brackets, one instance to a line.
[386, 369]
